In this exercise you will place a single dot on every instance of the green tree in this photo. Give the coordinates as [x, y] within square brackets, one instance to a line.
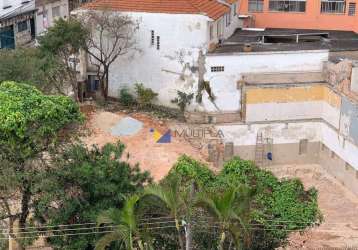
[226, 209]
[110, 36]
[125, 227]
[29, 65]
[29, 125]
[83, 183]
[64, 40]
[170, 195]
[277, 207]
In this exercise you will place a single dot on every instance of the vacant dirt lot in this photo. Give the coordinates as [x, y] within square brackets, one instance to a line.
[141, 147]
[338, 205]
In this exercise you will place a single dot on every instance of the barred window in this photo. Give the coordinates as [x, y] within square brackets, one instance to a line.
[158, 42]
[22, 26]
[217, 69]
[287, 5]
[152, 37]
[333, 6]
[256, 5]
[352, 9]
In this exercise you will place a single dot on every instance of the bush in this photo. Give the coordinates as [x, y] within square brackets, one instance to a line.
[145, 96]
[126, 98]
[278, 206]
[183, 100]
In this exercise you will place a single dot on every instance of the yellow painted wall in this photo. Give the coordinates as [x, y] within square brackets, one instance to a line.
[292, 94]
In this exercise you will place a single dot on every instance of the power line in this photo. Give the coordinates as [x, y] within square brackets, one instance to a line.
[157, 221]
[155, 224]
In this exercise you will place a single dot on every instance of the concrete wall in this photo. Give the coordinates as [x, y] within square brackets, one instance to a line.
[283, 137]
[176, 64]
[349, 119]
[45, 18]
[22, 37]
[172, 67]
[354, 79]
[278, 103]
[224, 84]
[338, 168]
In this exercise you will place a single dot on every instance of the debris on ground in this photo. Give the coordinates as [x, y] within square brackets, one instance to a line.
[141, 145]
[339, 206]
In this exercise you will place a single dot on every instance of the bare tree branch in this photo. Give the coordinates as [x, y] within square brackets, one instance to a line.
[111, 35]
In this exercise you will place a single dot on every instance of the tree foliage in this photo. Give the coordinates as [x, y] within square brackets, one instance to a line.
[254, 210]
[29, 120]
[64, 41]
[29, 124]
[31, 66]
[84, 182]
[110, 36]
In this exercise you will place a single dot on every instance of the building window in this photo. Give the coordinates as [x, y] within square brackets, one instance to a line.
[287, 5]
[56, 12]
[352, 9]
[256, 5]
[158, 42]
[217, 69]
[335, 7]
[218, 29]
[303, 145]
[22, 26]
[227, 19]
[152, 37]
[92, 83]
[211, 32]
[233, 9]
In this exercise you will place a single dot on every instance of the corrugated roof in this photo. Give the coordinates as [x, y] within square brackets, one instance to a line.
[17, 8]
[210, 8]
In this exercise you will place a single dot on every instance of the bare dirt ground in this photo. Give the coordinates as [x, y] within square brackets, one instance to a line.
[141, 147]
[339, 206]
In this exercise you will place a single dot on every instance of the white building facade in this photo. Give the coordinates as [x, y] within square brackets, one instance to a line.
[171, 50]
[48, 12]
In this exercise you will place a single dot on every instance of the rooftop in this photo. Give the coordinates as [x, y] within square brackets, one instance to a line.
[289, 40]
[211, 8]
[16, 7]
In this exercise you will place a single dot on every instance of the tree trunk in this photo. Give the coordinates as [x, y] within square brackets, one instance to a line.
[106, 73]
[188, 232]
[222, 240]
[188, 237]
[25, 200]
[181, 244]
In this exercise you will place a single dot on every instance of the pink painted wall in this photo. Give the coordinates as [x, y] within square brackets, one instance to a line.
[311, 19]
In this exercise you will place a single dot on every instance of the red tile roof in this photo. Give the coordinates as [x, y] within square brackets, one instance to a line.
[210, 8]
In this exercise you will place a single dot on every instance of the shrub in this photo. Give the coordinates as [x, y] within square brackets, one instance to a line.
[126, 98]
[145, 96]
[279, 206]
[183, 100]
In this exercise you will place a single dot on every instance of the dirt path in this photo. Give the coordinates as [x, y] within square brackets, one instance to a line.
[141, 147]
[338, 205]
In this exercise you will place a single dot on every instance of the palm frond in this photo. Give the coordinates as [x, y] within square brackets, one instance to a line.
[120, 234]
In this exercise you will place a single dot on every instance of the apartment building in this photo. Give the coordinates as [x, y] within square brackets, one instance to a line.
[300, 14]
[17, 23]
[48, 11]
